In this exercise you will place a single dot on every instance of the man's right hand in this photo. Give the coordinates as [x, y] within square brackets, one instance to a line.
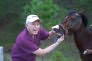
[60, 39]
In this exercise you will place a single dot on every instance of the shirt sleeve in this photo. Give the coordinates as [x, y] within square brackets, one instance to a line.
[44, 34]
[28, 46]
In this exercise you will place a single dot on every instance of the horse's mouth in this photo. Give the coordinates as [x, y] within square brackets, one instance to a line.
[63, 29]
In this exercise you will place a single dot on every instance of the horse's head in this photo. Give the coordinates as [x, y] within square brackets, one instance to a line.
[74, 21]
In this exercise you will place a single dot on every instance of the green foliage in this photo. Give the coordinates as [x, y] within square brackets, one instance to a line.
[49, 12]
[78, 5]
[86, 6]
[10, 10]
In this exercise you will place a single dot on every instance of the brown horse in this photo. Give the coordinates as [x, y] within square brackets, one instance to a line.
[76, 23]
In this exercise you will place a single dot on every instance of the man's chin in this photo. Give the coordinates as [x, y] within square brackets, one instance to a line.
[35, 33]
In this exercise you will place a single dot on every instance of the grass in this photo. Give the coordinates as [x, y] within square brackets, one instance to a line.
[7, 57]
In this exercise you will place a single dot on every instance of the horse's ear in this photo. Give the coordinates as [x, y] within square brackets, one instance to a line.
[71, 12]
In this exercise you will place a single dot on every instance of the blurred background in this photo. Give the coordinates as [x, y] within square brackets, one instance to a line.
[12, 20]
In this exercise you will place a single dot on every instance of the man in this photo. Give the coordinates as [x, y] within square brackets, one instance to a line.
[27, 42]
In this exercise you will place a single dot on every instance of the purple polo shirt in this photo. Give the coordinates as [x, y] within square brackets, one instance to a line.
[25, 45]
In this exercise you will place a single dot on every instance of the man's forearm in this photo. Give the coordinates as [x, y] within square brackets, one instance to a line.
[51, 47]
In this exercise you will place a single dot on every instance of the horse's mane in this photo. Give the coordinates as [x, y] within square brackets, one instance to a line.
[84, 19]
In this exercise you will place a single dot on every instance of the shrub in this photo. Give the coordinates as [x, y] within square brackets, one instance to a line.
[49, 12]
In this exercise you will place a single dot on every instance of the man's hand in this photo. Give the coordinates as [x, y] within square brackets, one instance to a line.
[61, 39]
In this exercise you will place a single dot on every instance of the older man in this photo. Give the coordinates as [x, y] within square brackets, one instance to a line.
[27, 42]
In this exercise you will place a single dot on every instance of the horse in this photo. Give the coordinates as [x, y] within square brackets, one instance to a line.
[76, 24]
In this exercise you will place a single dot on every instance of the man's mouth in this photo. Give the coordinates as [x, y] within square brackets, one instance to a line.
[35, 30]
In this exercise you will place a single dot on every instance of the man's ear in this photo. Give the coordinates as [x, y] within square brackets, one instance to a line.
[26, 25]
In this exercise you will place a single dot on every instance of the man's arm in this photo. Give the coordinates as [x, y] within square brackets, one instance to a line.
[44, 51]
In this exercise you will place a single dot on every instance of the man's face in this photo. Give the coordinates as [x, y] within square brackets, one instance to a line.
[33, 27]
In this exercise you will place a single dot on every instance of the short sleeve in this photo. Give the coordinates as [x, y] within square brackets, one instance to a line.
[28, 46]
[44, 34]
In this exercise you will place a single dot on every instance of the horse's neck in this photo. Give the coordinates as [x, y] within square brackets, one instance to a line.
[83, 39]
[78, 37]
[83, 30]
[80, 32]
